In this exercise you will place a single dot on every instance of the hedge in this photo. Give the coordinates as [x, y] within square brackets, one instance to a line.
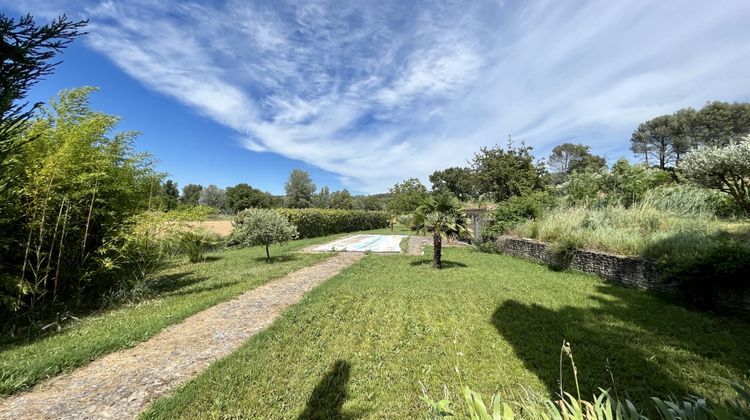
[313, 223]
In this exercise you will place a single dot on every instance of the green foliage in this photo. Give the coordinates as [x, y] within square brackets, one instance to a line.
[687, 200]
[170, 194]
[406, 196]
[213, 196]
[342, 200]
[243, 196]
[191, 193]
[137, 252]
[368, 202]
[624, 184]
[299, 190]
[312, 223]
[722, 267]
[516, 210]
[442, 216]
[322, 200]
[457, 181]
[562, 252]
[568, 158]
[722, 168]
[80, 184]
[504, 173]
[638, 230]
[195, 243]
[262, 227]
[663, 140]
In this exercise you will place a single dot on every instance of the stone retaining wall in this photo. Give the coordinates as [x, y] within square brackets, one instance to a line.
[635, 272]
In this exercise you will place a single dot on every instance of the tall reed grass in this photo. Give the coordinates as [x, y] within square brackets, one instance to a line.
[667, 223]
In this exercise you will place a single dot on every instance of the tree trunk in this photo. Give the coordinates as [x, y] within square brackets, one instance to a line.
[268, 255]
[437, 243]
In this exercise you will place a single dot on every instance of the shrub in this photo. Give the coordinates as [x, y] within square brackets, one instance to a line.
[195, 243]
[724, 266]
[312, 223]
[137, 252]
[687, 200]
[517, 209]
[725, 169]
[562, 252]
[261, 227]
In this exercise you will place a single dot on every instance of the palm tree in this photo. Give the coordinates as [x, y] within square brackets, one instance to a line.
[442, 215]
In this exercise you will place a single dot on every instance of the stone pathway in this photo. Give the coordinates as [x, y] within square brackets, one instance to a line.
[122, 384]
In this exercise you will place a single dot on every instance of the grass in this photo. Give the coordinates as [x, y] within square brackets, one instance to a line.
[182, 291]
[360, 344]
[642, 230]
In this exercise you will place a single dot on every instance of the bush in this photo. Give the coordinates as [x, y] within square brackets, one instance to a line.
[687, 200]
[516, 210]
[195, 243]
[724, 266]
[562, 253]
[312, 223]
[261, 227]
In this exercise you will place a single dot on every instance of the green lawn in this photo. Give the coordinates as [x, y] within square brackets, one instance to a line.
[359, 344]
[184, 290]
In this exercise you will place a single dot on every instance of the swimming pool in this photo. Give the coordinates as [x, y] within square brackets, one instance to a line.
[363, 243]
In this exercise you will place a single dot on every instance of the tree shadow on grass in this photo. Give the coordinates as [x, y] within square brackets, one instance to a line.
[329, 395]
[446, 264]
[171, 282]
[641, 341]
[276, 258]
[193, 291]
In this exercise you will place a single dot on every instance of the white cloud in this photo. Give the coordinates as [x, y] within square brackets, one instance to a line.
[377, 92]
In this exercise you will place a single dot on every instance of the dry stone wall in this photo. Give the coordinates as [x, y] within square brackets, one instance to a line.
[635, 272]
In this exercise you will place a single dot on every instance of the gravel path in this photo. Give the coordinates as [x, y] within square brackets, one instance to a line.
[122, 384]
[416, 242]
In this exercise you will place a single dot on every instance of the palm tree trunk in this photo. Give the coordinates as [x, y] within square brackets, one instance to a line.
[437, 243]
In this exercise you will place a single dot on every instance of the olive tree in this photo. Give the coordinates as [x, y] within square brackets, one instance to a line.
[262, 227]
[726, 169]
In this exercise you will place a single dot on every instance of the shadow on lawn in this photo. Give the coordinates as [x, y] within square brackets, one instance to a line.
[277, 258]
[642, 341]
[446, 264]
[328, 397]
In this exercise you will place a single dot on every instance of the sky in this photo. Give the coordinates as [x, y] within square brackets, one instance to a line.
[363, 94]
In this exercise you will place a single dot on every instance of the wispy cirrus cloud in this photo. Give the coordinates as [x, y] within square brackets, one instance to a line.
[379, 91]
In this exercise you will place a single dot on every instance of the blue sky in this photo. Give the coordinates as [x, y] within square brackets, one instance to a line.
[364, 94]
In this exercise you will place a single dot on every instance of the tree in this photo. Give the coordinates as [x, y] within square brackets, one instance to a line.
[723, 168]
[504, 173]
[368, 202]
[243, 196]
[342, 200]
[191, 193]
[27, 51]
[442, 215]
[81, 182]
[406, 196]
[171, 194]
[721, 123]
[322, 200]
[569, 157]
[657, 139]
[299, 190]
[262, 227]
[457, 181]
[213, 196]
